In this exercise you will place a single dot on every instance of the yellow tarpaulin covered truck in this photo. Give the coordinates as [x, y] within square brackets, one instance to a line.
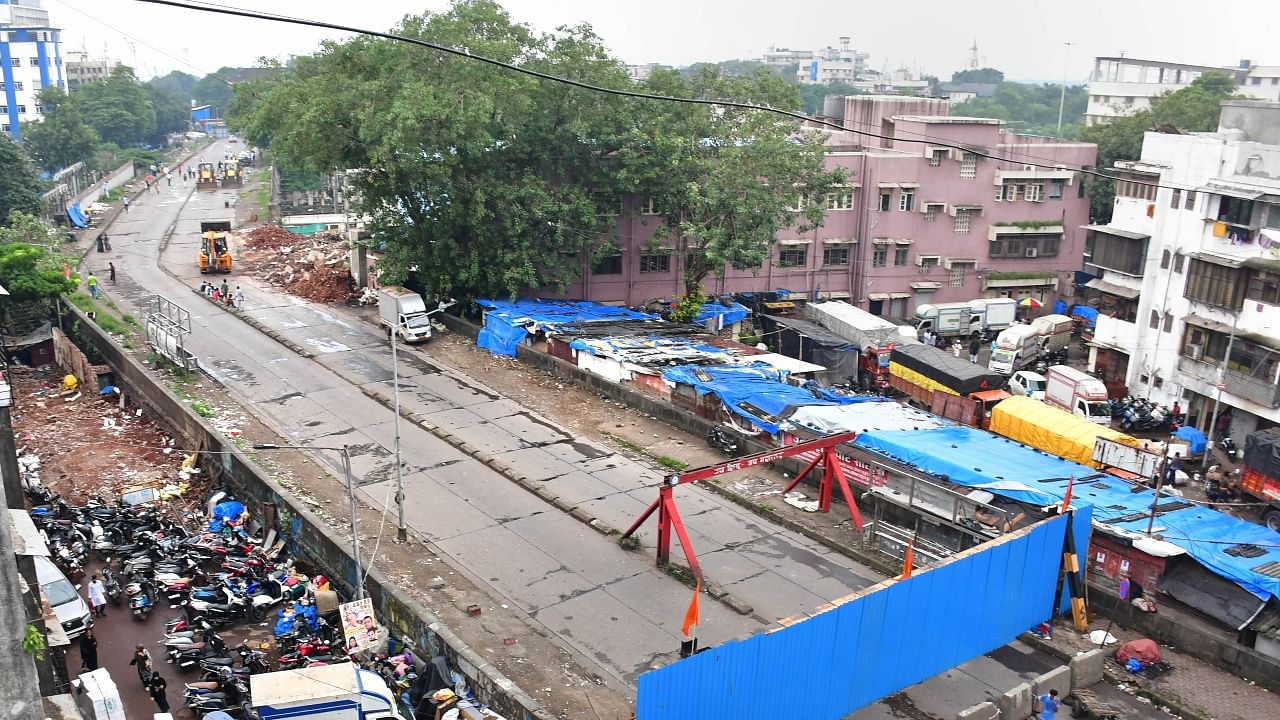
[1052, 430]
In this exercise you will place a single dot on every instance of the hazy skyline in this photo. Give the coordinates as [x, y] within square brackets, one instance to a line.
[1027, 42]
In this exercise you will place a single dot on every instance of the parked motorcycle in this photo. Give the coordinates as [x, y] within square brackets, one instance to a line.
[725, 440]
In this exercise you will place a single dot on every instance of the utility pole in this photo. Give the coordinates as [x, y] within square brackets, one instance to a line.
[402, 534]
[1062, 101]
[1217, 396]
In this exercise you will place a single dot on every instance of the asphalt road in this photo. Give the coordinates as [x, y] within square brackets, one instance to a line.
[612, 608]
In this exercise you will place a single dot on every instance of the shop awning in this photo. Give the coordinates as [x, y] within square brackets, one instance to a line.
[1207, 324]
[1223, 260]
[1113, 289]
[779, 305]
[1235, 192]
[903, 241]
[877, 296]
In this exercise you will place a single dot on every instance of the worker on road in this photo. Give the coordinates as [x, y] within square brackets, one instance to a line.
[92, 281]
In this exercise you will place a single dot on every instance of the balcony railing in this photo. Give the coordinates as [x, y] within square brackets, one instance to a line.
[1253, 389]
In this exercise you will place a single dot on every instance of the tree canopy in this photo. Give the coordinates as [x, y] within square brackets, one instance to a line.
[118, 108]
[212, 89]
[1031, 109]
[978, 75]
[1195, 108]
[175, 82]
[19, 184]
[173, 112]
[62, 138]
[489, 182]
[30, 272]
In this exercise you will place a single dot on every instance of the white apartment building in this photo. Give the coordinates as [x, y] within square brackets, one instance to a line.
[1121, 86]
[821, 67]
[30, 59]
[80, 68]
[1189, 286]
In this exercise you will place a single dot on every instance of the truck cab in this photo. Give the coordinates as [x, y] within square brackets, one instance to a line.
[332, 692]
[1015, 347]
[1078, 393]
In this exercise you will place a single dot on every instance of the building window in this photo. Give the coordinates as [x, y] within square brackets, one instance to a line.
[1178, 259]
[957, 271]
[1035, 192]
[961, 225]
[1025, 246]
[1155, 320]
[659, 262]
[1168, 322]
[17, 85]
[1190, 201]
[1113, 252]
[608, 265]
[800, 204]
[935, 157]
[1215, 285]
[840, 200]
[1264, 287]
[1204, 345]
[39, 109]
[928, 262]
[968, 165]
[930, 212]
[648, 206]
[16, 62]
[906, 200]
[35, 62]
[1236, 211]
[22, 109]
[835, 255]
[900, 255]
[1255, 81]
[793, 256]
[880, 256]
[1165, 257]
[1055, 189]
[1136, 189]
[886, 200]
[4, 127]
[1176, 200]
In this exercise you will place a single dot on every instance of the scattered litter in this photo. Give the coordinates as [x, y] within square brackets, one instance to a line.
[796, 500]
[1096, 637]
[311, 267]
[73, 398]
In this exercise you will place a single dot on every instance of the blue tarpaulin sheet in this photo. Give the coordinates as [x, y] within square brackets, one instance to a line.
[1194, 439]
[756, 393]
[506, 323]
[1059, 307]
[77, 216]
[636, 348]
[1089, 314]
[973, 458]
[727, 315]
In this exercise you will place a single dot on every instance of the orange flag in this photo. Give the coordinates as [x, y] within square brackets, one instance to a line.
[907, 561]
[1066, 499]
[691, 615]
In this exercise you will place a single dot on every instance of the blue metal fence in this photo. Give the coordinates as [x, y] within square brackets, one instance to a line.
[889, 637]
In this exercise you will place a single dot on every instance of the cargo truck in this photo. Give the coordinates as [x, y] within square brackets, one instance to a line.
[1077, 393]
[1261, 478]
[403, 312]
[927, 376]
[332, 692]
[966, 319]
[1054, 331]
[1015, 347]
[1052, 429]
[874, 337]
[1143, 462]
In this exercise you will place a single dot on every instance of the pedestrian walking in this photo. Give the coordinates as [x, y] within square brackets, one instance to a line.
[974, 346]
[112, 268]
[92, 282]
[97, 597]
[126, 203]
[239, 298]
[88, 651]
[156, 687]
[1049, 705]
[142, 659]
[956, 348]
[168, 180]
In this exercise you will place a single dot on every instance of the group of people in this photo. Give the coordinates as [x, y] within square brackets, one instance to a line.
[929, 338]
[223, 294]
[152, 681]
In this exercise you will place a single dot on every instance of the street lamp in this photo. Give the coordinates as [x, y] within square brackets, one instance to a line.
[351, 496]
[1062, 101]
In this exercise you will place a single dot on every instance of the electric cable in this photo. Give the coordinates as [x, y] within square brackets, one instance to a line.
[467, 54]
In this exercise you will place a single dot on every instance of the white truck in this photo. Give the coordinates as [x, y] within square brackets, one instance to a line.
[966, 319]
[1055, 332]
[1145, 462]
[402, 311]
[323, 692]
[1077, 393]
[1015, 347]
[857, 325]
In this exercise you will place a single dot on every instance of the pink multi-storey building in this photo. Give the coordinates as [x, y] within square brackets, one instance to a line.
[919, 221]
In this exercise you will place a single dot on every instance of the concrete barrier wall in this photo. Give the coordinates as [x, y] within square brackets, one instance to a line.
[307, 536]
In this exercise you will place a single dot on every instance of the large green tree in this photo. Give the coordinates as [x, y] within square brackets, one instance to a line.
[978, 75]
[1195, 108]
[19, 184]
[1031, 109]
[62, 138]
[173, 112]
[175, 82]
[212, 89]
[31, 272]
[118, 108]
[724, 181]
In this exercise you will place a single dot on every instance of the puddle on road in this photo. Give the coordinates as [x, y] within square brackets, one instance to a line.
[232, 370]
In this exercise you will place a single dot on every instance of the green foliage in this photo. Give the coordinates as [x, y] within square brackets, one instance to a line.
[110, 156]
[1195, 108]
[33, 642]
[813, 97]
[213, 90]
[173, 112]
[118, 108]
[62, 138]
[1031, 109]
[30, 229]
[30, 272]
[688, 306]
[176, 82]
[979, 75]
[1031, 224]
[19, 185]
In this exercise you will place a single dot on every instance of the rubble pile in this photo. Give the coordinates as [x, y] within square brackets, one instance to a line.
[314, 268]
[84, 443]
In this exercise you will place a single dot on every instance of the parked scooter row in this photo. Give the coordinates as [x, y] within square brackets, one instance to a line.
[1142, 415]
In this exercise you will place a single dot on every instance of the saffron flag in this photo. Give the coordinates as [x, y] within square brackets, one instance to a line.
[1066, 499]
[691, 615]
[907, 561]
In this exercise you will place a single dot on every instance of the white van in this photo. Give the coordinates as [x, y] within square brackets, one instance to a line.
[71, 609]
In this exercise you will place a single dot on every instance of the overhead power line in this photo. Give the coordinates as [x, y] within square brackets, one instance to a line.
[463, 53]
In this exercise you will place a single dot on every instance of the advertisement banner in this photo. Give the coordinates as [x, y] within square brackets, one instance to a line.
[359, 627]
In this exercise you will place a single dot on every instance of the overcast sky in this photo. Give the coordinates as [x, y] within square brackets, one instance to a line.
[1026, 40]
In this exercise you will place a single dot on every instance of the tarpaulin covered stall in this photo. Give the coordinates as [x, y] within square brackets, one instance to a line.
[949, 373]
[507, 323]
[815, 344]
[758, 394]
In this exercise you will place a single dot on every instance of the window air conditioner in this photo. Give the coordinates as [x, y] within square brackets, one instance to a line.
[1032, 252]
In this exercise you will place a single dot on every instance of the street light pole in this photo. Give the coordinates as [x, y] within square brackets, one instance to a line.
[402, 534]
[1062, 101]
[345, 452]
[1217, 396]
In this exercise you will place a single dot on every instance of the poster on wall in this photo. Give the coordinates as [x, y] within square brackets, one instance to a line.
[359, 627]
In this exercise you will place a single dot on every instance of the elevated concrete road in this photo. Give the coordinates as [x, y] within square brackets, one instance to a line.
[612, 607]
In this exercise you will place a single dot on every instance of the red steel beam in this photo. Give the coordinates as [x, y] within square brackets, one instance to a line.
[761, 458]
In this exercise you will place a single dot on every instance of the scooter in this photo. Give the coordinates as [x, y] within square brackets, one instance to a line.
[142, 598]
[112, 586]
[725, 440]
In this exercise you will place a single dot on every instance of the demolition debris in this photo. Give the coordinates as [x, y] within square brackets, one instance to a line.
[314, 268]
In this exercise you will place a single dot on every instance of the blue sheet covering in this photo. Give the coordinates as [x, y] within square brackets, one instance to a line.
[728, 315]
[76, 216]
[1195, 439]
[973, 458]
[1089, 314]
[506, 323]
[760, 388]
[637, 346]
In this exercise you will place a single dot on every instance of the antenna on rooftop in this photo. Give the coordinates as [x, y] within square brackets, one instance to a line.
[973, 55]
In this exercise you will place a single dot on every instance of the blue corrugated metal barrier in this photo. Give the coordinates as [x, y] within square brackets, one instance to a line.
[883, 640]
